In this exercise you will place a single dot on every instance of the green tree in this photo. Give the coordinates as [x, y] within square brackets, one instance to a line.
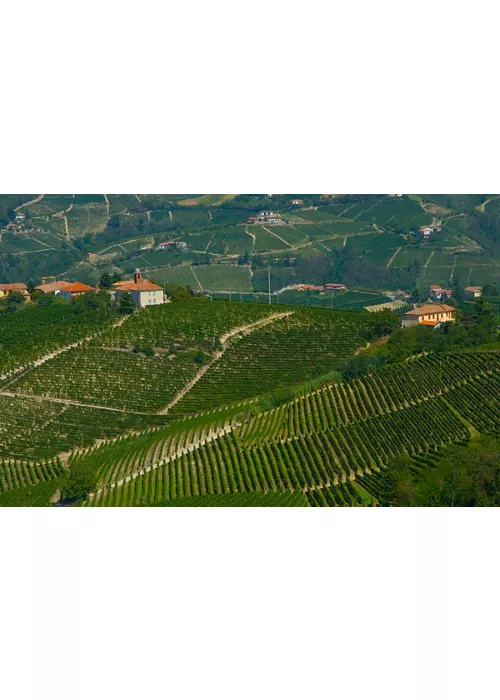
[126, 305]
[15, 300]
[483, 321]
[106, 281]
[402, 344]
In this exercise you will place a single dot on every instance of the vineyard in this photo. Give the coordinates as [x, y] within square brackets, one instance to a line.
[298, 347]
[38, 429]
[332, 444]
[35, 331]
[117, 379]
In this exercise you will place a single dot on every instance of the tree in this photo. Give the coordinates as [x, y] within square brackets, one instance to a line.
[384, 323]
[483, 320]
[106, 281]
[402, 344]
[126, 305]
[15, 300]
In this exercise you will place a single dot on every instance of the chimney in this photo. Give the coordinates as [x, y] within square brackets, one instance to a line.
[137, 276]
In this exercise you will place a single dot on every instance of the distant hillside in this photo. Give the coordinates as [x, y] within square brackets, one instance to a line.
[363, 241]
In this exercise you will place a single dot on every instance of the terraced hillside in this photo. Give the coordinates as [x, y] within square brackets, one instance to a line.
[365, 241]
[330, 444]
[126, 378]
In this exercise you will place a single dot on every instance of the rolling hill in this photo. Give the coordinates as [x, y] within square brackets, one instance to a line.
[364, 241]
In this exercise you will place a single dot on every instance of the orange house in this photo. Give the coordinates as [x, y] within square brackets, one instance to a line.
[429, 315]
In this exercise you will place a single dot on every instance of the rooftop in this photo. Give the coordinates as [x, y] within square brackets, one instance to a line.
[15, 287]
[142, 286]
[53, 286]
[430, 309]
[77, 287]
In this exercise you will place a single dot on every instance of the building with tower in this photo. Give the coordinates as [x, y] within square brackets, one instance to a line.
[143, 292]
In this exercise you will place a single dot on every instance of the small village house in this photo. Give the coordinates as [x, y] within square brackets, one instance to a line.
[143, 292]
[401, 295]
[20, 216]
[427, 231]
[438, 293]
[53, 287]
[74, 290]
[92, 256]
[6, 289]
[473, 292]
[297, 202]
[432, 315]
[253, 220]
[166, 245]
[333, 287]
[181, 245]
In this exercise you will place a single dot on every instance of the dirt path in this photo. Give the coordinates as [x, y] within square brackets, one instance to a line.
[323, 246]
[224, 339]
[196, 278]
[481, 207]
[32, 201]
[107, 204]
[453, 268]
[253, 238]
[66, 227]
[170, 215]
[137, 197]
[278, 237]
[16, 373]
[393, 257]
[68, 402]
[429, 259]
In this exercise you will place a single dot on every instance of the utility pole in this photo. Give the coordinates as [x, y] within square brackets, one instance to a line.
[269, 282]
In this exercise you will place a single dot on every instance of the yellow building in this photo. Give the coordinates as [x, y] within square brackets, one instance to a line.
[6, 289]
[429, 315]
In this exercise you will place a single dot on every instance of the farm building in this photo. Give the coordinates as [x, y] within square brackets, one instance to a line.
[253, 220]
[91, 256]
[169, 245]
[20, 217]
[427, 231]
[52, 287]
[6, 289]
[297, 202]
[429, 315]
[401, 295]
[143, 292]
[437, 293]
[331, 287]
[74, 290]
[473, 292]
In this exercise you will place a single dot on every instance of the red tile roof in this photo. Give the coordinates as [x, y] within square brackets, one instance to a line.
[14, 287]
[53, 286]
[430, 309]
[78, 287]
[144, 286]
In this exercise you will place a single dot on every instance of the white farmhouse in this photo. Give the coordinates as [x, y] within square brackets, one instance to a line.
[143, 292]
